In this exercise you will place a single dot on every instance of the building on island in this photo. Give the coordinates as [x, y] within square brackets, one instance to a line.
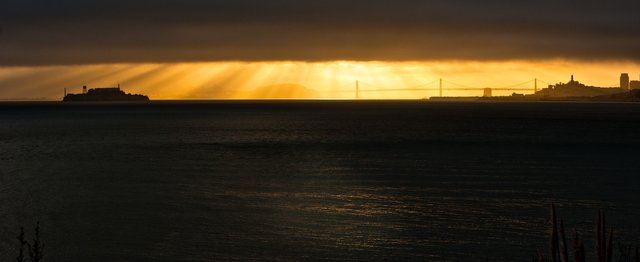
[103, 94]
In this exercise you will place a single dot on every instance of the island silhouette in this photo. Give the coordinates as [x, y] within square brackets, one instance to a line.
[103, 95]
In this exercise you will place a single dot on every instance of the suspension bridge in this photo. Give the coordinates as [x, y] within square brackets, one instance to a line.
[441, 86]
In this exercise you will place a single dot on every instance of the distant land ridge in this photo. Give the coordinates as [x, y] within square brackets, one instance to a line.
[628, 91]
[103, 95]
[574, 88]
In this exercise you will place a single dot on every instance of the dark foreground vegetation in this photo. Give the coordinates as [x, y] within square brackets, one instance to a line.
[603, 249]
[33, 249]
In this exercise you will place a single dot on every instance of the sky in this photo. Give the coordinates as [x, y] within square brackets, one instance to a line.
[258, 48]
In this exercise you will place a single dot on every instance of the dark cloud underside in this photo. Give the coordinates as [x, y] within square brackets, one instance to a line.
[84, 32]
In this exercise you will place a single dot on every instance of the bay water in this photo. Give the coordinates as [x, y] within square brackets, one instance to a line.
[314, 180]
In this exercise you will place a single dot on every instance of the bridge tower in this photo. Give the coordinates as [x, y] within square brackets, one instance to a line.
[440, 87]
[488, 92]
[357, 89]
[535, 86]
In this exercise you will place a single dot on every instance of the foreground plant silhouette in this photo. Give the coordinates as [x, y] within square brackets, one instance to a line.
[34, 248]
[603, 244]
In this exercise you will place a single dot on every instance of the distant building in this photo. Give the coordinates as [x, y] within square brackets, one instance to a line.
[634, 84]
[487, 92]
[624, 81]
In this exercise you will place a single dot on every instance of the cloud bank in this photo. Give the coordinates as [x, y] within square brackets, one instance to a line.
[64, 32]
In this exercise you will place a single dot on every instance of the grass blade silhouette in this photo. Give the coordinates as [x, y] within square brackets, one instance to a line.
[578, 249]
[564, 256]
[23, 242]
[554, 236]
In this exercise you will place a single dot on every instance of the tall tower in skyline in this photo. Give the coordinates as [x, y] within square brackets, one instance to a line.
[624, 81]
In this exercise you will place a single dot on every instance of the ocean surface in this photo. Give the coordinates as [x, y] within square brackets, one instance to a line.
[314, 180]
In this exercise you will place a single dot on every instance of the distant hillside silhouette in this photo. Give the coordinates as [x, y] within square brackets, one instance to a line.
[285, 91]
[575, 89]
[631, 96]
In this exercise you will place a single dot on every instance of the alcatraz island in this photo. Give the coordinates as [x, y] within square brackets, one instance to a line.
[108, 94]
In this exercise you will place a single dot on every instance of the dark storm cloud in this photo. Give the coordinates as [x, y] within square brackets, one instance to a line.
[81, 32]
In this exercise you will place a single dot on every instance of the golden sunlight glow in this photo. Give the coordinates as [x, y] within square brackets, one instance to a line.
[291, 80]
